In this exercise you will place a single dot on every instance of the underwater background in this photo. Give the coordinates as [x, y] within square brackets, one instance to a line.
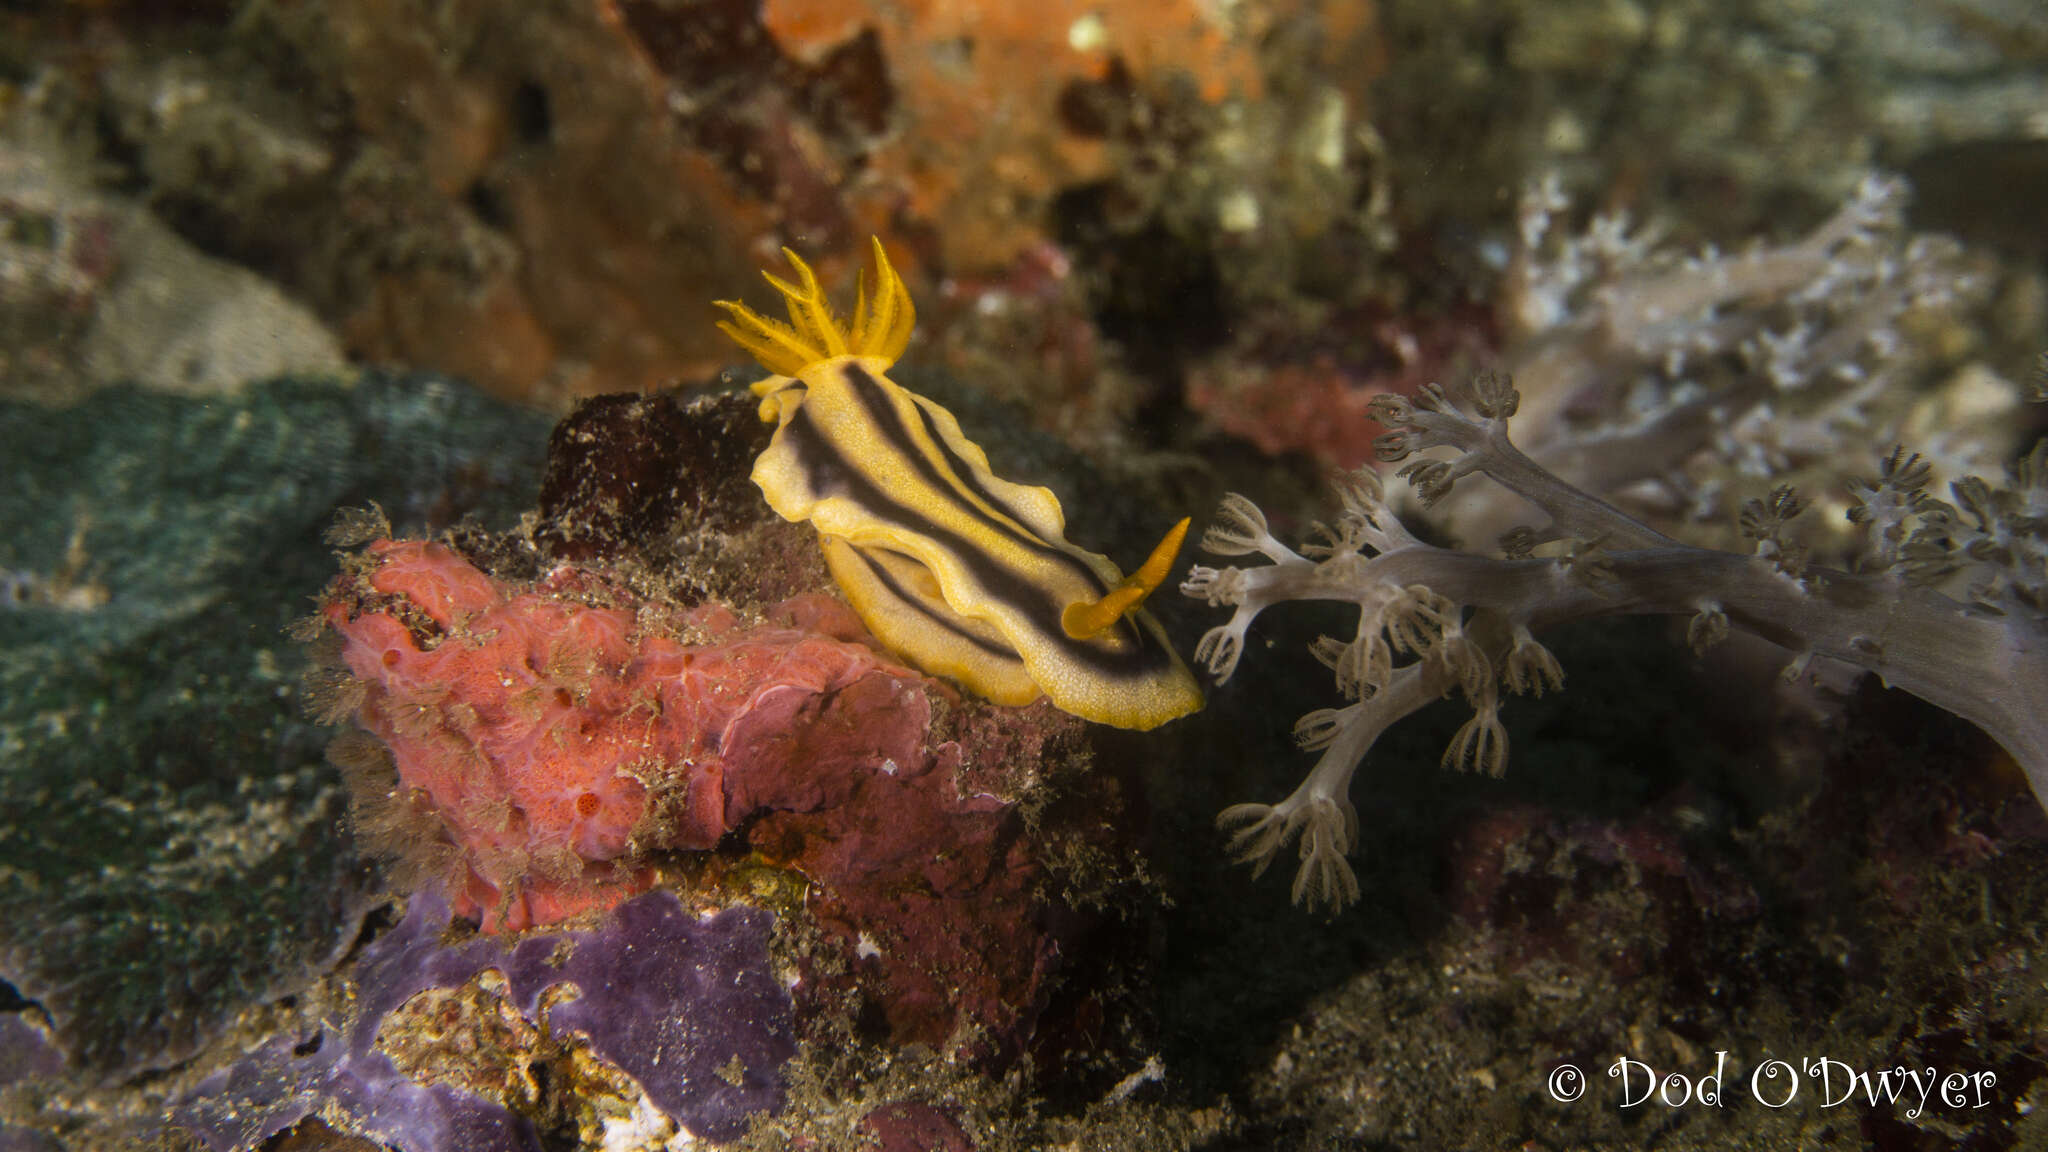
[418, 730]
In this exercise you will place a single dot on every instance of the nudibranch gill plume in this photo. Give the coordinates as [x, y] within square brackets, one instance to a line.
[967, 575]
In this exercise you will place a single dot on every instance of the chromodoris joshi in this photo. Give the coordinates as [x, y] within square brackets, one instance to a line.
[965, 574]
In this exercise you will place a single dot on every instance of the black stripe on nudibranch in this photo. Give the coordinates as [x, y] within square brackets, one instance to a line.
[960, 486]
[1137, 658]
[887, 581]
[971, 482]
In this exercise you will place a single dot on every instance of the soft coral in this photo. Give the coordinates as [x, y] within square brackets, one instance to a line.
[1465, 622]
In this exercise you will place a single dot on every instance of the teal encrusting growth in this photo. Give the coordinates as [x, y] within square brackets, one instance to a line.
[171, 838]
[966, 574]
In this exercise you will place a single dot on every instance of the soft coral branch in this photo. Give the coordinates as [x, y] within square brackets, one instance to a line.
[1466, 621]
[1678, 383]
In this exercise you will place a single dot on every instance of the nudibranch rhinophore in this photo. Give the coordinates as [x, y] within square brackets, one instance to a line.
[967, 575]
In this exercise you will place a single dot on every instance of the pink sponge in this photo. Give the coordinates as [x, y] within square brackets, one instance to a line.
[547, 740]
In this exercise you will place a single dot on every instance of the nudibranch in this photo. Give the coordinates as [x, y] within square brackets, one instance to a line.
[967, 575]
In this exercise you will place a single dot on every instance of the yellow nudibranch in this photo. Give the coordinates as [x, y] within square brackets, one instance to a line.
[967, 575]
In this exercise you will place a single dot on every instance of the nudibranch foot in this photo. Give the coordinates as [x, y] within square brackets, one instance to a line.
[900, 603]
[966, 574]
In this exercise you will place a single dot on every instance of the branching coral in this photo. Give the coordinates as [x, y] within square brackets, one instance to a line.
[1436, 620]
